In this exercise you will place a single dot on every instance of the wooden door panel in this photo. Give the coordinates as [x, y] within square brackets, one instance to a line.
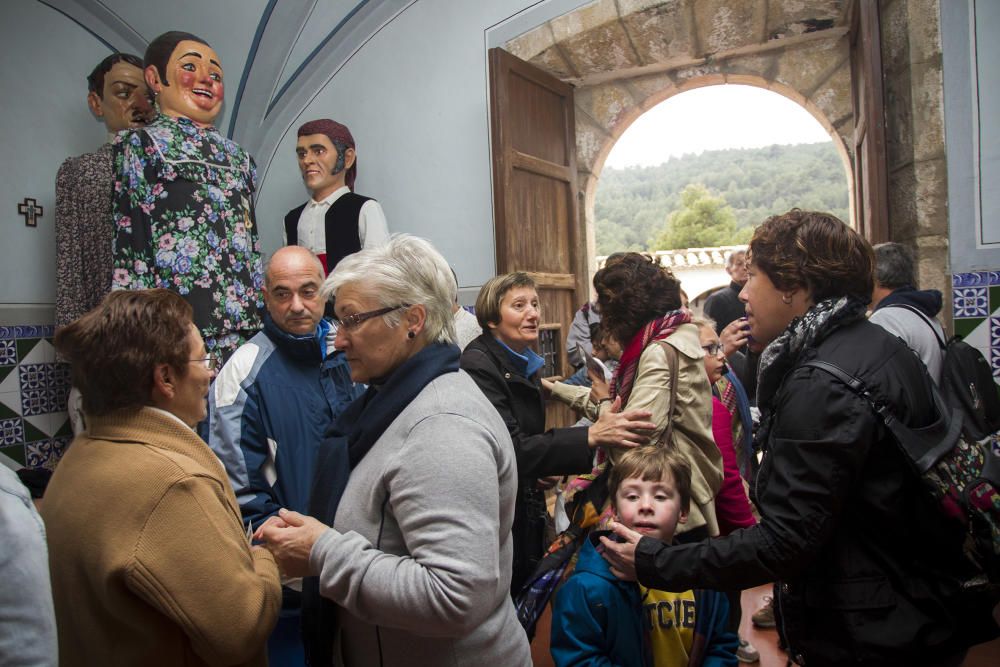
[537, 224]
[536, 215]
[542, 206]
[539, 127]
[871, 199]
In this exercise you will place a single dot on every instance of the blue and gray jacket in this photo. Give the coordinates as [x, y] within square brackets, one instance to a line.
[269, 409]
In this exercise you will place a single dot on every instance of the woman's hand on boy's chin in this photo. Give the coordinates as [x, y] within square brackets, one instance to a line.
[621, 554]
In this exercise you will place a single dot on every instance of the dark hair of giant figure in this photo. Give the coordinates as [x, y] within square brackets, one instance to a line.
[95, 80]
[341, 138]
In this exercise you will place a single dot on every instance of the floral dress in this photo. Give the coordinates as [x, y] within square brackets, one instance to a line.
[184, 220]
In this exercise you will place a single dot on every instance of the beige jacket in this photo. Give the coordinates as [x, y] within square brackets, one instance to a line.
[692, 416]
[150, 563]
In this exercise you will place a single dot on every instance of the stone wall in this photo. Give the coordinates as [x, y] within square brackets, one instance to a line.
[626, 56]
[914, 119]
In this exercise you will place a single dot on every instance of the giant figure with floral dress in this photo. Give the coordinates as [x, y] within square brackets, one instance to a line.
[183, 199]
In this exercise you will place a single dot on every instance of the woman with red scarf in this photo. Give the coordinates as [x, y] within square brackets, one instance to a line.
[640, 306]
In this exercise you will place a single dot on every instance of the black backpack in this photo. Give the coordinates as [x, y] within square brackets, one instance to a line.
[966, 383]
[960, 473]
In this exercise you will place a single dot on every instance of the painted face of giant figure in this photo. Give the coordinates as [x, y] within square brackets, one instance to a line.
[123, 102]
[192, 87]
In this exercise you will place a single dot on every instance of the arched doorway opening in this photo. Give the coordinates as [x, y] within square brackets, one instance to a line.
[744, 168]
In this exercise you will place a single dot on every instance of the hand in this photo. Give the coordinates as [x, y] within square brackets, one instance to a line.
[271, 521]
[621, 555]
[545, 483]
[290, 538]
[734, 335]
[547, 386]
[598, 387]
[615, 428]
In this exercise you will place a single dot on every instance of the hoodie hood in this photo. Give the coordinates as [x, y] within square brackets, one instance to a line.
[592, 562]
[927, 301]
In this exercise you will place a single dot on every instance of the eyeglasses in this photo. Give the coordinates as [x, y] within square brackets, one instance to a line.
[712, 349]
[351, 322]
[210, 363]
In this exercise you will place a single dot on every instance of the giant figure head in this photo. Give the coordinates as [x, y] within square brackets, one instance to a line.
[117, 92]
[185, 75]
[327, 161]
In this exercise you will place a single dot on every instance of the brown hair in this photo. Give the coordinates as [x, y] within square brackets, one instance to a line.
[814, 251]
[632, 291]
[652, 463]
[115, 347]
[492, 293]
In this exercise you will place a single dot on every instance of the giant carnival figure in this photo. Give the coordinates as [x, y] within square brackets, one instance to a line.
[118, 96]
[183, 210]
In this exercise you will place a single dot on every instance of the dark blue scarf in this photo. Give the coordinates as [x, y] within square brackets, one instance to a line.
[351, 437]
[366, 419]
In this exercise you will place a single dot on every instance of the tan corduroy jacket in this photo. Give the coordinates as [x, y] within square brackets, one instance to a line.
[149, 560]
[692, 416]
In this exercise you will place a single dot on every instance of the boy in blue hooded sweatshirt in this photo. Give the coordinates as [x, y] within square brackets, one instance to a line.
[601, 620]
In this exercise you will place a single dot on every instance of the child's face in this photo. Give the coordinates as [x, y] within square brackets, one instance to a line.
[715, 364]
[651, 508]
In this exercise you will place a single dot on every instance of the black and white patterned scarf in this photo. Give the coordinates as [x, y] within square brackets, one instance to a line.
[803, 334]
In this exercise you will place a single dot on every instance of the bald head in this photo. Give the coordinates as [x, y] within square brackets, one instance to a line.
[292, 256]
[292, 281]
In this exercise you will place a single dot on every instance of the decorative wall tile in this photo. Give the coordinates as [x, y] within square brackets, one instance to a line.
[8, 353]
[976, 309]
[11, 431]
[38, 453]
[16, 452]
[971, 302]
[34, 388]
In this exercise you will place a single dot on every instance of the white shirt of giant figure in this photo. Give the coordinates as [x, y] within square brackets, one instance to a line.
[372, 227]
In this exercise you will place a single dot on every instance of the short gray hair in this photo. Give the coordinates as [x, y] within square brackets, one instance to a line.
[894, 265]
[405, 269]
[731, 257]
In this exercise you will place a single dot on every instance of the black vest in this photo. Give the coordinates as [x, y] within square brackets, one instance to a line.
[342, 236]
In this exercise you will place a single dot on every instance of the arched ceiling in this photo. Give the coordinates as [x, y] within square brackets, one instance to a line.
[277, 56]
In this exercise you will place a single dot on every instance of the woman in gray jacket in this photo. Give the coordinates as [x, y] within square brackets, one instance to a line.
[418, 557]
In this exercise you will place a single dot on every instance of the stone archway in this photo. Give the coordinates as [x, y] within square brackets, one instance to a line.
[626, 56]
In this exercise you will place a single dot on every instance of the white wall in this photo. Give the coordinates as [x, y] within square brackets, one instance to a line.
[415, 98]
[414, 93]
[972, 119]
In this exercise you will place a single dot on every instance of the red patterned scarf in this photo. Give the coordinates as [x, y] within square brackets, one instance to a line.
[654, 330]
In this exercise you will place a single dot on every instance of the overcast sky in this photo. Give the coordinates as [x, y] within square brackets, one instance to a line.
[714, 117]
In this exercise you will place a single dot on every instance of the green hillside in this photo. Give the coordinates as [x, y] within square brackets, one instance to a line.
[633, 205]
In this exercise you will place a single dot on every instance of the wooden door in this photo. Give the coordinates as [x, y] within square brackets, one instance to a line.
[535, 208]
[871, 200]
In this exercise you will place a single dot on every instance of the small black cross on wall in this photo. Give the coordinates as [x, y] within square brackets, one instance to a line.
[31, 211]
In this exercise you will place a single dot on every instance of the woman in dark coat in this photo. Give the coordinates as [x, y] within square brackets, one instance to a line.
[866, 569]
[506, 369]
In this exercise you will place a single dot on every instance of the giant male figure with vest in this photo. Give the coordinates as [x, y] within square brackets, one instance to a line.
[336, 221]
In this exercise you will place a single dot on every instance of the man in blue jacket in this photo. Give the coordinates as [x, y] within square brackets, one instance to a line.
[271, 405]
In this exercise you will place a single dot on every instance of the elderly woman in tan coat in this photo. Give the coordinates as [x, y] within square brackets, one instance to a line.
[149, 559]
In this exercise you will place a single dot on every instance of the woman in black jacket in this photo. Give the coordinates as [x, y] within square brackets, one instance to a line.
[866, 569]
[506, 369]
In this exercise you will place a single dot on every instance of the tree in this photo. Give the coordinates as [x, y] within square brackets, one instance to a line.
[703, 221]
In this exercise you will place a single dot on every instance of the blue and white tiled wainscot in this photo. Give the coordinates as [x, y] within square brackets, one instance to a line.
[34, 387]
[976, 313]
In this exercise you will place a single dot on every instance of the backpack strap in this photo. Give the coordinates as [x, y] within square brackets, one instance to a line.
[925, 446]
[924, 317]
